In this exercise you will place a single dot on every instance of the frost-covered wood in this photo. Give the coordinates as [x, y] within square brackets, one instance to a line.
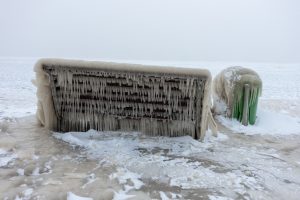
[229, 93]
[78, 96]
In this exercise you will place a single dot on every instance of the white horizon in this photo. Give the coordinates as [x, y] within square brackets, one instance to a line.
[172, 30]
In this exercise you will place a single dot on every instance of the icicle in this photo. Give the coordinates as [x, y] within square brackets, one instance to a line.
[151, 103]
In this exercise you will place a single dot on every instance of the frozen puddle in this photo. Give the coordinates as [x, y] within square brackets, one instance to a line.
[183, 166]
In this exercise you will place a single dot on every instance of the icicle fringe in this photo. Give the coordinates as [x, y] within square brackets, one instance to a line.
[164, 104]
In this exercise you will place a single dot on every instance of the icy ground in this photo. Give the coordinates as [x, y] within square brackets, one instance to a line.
[255, 162]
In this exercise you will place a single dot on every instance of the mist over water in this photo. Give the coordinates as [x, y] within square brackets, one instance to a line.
[250, 31]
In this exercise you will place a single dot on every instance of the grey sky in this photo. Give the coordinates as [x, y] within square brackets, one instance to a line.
[212, 30]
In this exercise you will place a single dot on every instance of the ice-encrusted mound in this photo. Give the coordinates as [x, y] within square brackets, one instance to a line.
[79, 95]
[229, 91]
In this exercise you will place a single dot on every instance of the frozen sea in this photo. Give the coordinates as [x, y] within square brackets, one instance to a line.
[254, 162]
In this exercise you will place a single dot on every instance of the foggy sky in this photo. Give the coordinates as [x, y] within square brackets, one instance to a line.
[212, 30]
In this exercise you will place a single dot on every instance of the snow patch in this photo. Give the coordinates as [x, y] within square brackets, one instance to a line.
[163, 196]
[28, 192]
[130, 181]
[6, 157]
[25, 195]
[20, 172]
[268, 122]
[123, 176]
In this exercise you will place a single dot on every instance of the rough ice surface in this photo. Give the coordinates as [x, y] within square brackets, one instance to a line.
[228, 88]
[25, 195]
[6, 157]
[188, 164]
[156, 104]
[130, 180]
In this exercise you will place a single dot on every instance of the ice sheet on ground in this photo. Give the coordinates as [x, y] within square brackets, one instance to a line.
[185, 163]
[25, 195]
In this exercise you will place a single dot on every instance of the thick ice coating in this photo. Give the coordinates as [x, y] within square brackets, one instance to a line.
[80, 95]
[229, 93]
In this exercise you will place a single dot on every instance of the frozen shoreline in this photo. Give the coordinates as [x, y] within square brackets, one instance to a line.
[34, 163]
[124, 164]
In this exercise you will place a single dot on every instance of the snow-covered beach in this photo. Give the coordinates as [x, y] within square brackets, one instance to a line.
[255, 162]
